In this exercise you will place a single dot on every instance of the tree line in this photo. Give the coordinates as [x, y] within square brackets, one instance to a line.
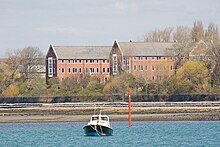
[18, 76]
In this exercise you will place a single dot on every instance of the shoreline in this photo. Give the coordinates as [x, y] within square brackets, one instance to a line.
[82, 114]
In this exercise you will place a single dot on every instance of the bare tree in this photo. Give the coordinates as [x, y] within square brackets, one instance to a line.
[198, 31]
[212, 33]
[166, 34]
[153, 36]
[182, 34]
[26, 61]
[159, 35]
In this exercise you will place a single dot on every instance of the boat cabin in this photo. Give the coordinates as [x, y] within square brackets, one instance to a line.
[99, 120]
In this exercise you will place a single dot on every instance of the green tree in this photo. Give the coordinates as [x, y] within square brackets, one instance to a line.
[120, 83]
[192, 77]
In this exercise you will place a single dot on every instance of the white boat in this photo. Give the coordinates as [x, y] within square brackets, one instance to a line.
[99, 125]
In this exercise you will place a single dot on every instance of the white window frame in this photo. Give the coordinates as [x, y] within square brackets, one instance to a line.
[50, 67]
[115, 64]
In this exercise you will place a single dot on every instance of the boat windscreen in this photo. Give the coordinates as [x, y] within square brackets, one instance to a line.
[95, 118]
[104, 118]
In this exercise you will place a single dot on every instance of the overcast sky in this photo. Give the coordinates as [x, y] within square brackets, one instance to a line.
[94, 22]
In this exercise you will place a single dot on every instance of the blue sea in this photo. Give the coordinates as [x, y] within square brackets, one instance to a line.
[162, 133]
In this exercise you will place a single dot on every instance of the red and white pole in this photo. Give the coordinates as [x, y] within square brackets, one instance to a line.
[129, 108]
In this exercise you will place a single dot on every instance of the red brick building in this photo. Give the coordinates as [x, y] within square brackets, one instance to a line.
[73, 61]
[149, 60]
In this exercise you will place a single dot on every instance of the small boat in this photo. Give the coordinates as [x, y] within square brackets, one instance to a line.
[99, 125]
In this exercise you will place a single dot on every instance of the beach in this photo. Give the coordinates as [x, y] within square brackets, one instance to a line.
[81, 113]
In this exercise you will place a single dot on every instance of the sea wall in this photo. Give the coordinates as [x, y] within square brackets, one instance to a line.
[110, 98]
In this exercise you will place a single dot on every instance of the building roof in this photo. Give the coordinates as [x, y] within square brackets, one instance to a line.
[200, 49]
[82, 52]
[145, 48]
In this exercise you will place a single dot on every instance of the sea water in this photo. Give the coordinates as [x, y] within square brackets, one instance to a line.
[167, 133]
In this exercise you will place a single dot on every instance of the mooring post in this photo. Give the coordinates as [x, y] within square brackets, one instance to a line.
[129, 108]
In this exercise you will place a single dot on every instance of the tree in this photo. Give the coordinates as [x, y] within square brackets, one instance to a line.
[158, 35]
[6, 75]
[192, 77]
[120, 83]
[153, 36]
[26, 61]
[182, 34]
[36, 87]
[212, 33]
[94, 86]
[11, 90]
[198, 31]
[166, 35]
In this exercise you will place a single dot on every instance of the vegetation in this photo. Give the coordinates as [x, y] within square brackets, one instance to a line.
[18, 75]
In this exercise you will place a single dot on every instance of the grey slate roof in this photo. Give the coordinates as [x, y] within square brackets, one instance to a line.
[82, 52]
[145, 48]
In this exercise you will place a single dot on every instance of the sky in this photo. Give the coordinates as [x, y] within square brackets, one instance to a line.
[38, 23]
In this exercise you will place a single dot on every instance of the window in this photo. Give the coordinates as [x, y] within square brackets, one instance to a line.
[153, 78]
[92, 70]
[146, 67]
[50, 67]
[152, 67]
[134, 57]
[75, 61]
[91, 61]
[62, 61]
[74, 70]
[140, 67]
[104, 118]
[140, 58]
[80, 70]
[69, 61]
[106, 80]
[103, 61]
[126, 63]
[108, 70]
[146, 57]
[97, 70]
[103, 70]
[97, 61]
[86, 61]
[115, 64]
[158, 57]
[171, 67]
[107, 61]
[152, 57]
[69, 70]
[62, 70]
[80, 61]
[135, 68]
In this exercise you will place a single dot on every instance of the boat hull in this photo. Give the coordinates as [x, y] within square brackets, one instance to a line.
[97, 130]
